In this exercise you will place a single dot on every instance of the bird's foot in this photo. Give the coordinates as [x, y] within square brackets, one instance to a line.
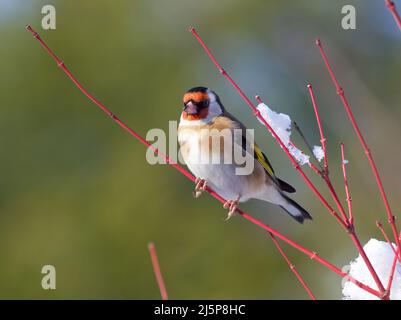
[232, 206]
[200, 187]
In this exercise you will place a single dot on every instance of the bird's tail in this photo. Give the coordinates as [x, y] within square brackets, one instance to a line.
[295, 210]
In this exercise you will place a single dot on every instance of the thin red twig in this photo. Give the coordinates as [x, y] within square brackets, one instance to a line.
[336, 199]
[292, 267]
[393, 268]
[311, 254]
[258, 99]
[396, 258]
[319, 123]
[311, 165]
[340, 92]
[157, 271]
[391, 6]
[347, 193]
[392, 272]
[315, 169]
[342, 221]
[384, 233]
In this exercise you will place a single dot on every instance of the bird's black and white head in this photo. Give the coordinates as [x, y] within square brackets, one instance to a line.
[201, 105]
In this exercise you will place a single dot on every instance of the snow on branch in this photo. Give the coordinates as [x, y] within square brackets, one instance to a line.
[281, 123]
[382, 256]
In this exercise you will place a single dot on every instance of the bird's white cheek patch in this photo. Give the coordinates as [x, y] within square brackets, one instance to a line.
[187, 123]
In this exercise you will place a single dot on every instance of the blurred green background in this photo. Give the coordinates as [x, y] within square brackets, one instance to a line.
[76, 191]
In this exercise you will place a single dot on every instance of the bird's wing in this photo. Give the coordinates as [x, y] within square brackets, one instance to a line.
[262, 159]
[260, 156]
[257, 152]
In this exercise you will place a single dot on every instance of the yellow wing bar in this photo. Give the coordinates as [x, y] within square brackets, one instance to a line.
[262, 159]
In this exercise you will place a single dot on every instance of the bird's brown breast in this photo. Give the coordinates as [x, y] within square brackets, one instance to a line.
[212, 137]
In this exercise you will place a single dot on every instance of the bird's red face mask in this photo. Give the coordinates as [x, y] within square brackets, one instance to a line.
[196, 106]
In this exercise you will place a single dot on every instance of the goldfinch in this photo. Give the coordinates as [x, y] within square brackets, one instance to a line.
[203, 117]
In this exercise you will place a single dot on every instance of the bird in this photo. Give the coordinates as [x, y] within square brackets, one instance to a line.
[203, 118]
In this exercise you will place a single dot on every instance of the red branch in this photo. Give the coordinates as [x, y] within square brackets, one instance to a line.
[341, 93]
[319, 124]
[380, 227]
[311, 254]
[258, 99]
[396, 256]
[156, 269]
[391, 277]
[391, 6]
[314, 168]
[347, 193]
[393, 268]
[292, 267]
[342, 221]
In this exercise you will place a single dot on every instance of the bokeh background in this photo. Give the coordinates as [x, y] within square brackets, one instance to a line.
[76, 191]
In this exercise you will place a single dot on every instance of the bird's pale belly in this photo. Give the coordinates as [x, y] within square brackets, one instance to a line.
[223, 179]
[221, 176]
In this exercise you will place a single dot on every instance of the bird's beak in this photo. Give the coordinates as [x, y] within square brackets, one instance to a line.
[191, 108]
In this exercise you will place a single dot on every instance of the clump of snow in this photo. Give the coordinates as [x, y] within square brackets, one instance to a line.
[318, 152]
[301, 157]
[281, 124]
[381, 256]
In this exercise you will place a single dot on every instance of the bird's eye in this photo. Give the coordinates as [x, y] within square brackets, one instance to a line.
[204, 104]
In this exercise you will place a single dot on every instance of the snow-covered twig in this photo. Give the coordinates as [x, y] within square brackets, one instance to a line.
[385, 263]
[316, 151]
